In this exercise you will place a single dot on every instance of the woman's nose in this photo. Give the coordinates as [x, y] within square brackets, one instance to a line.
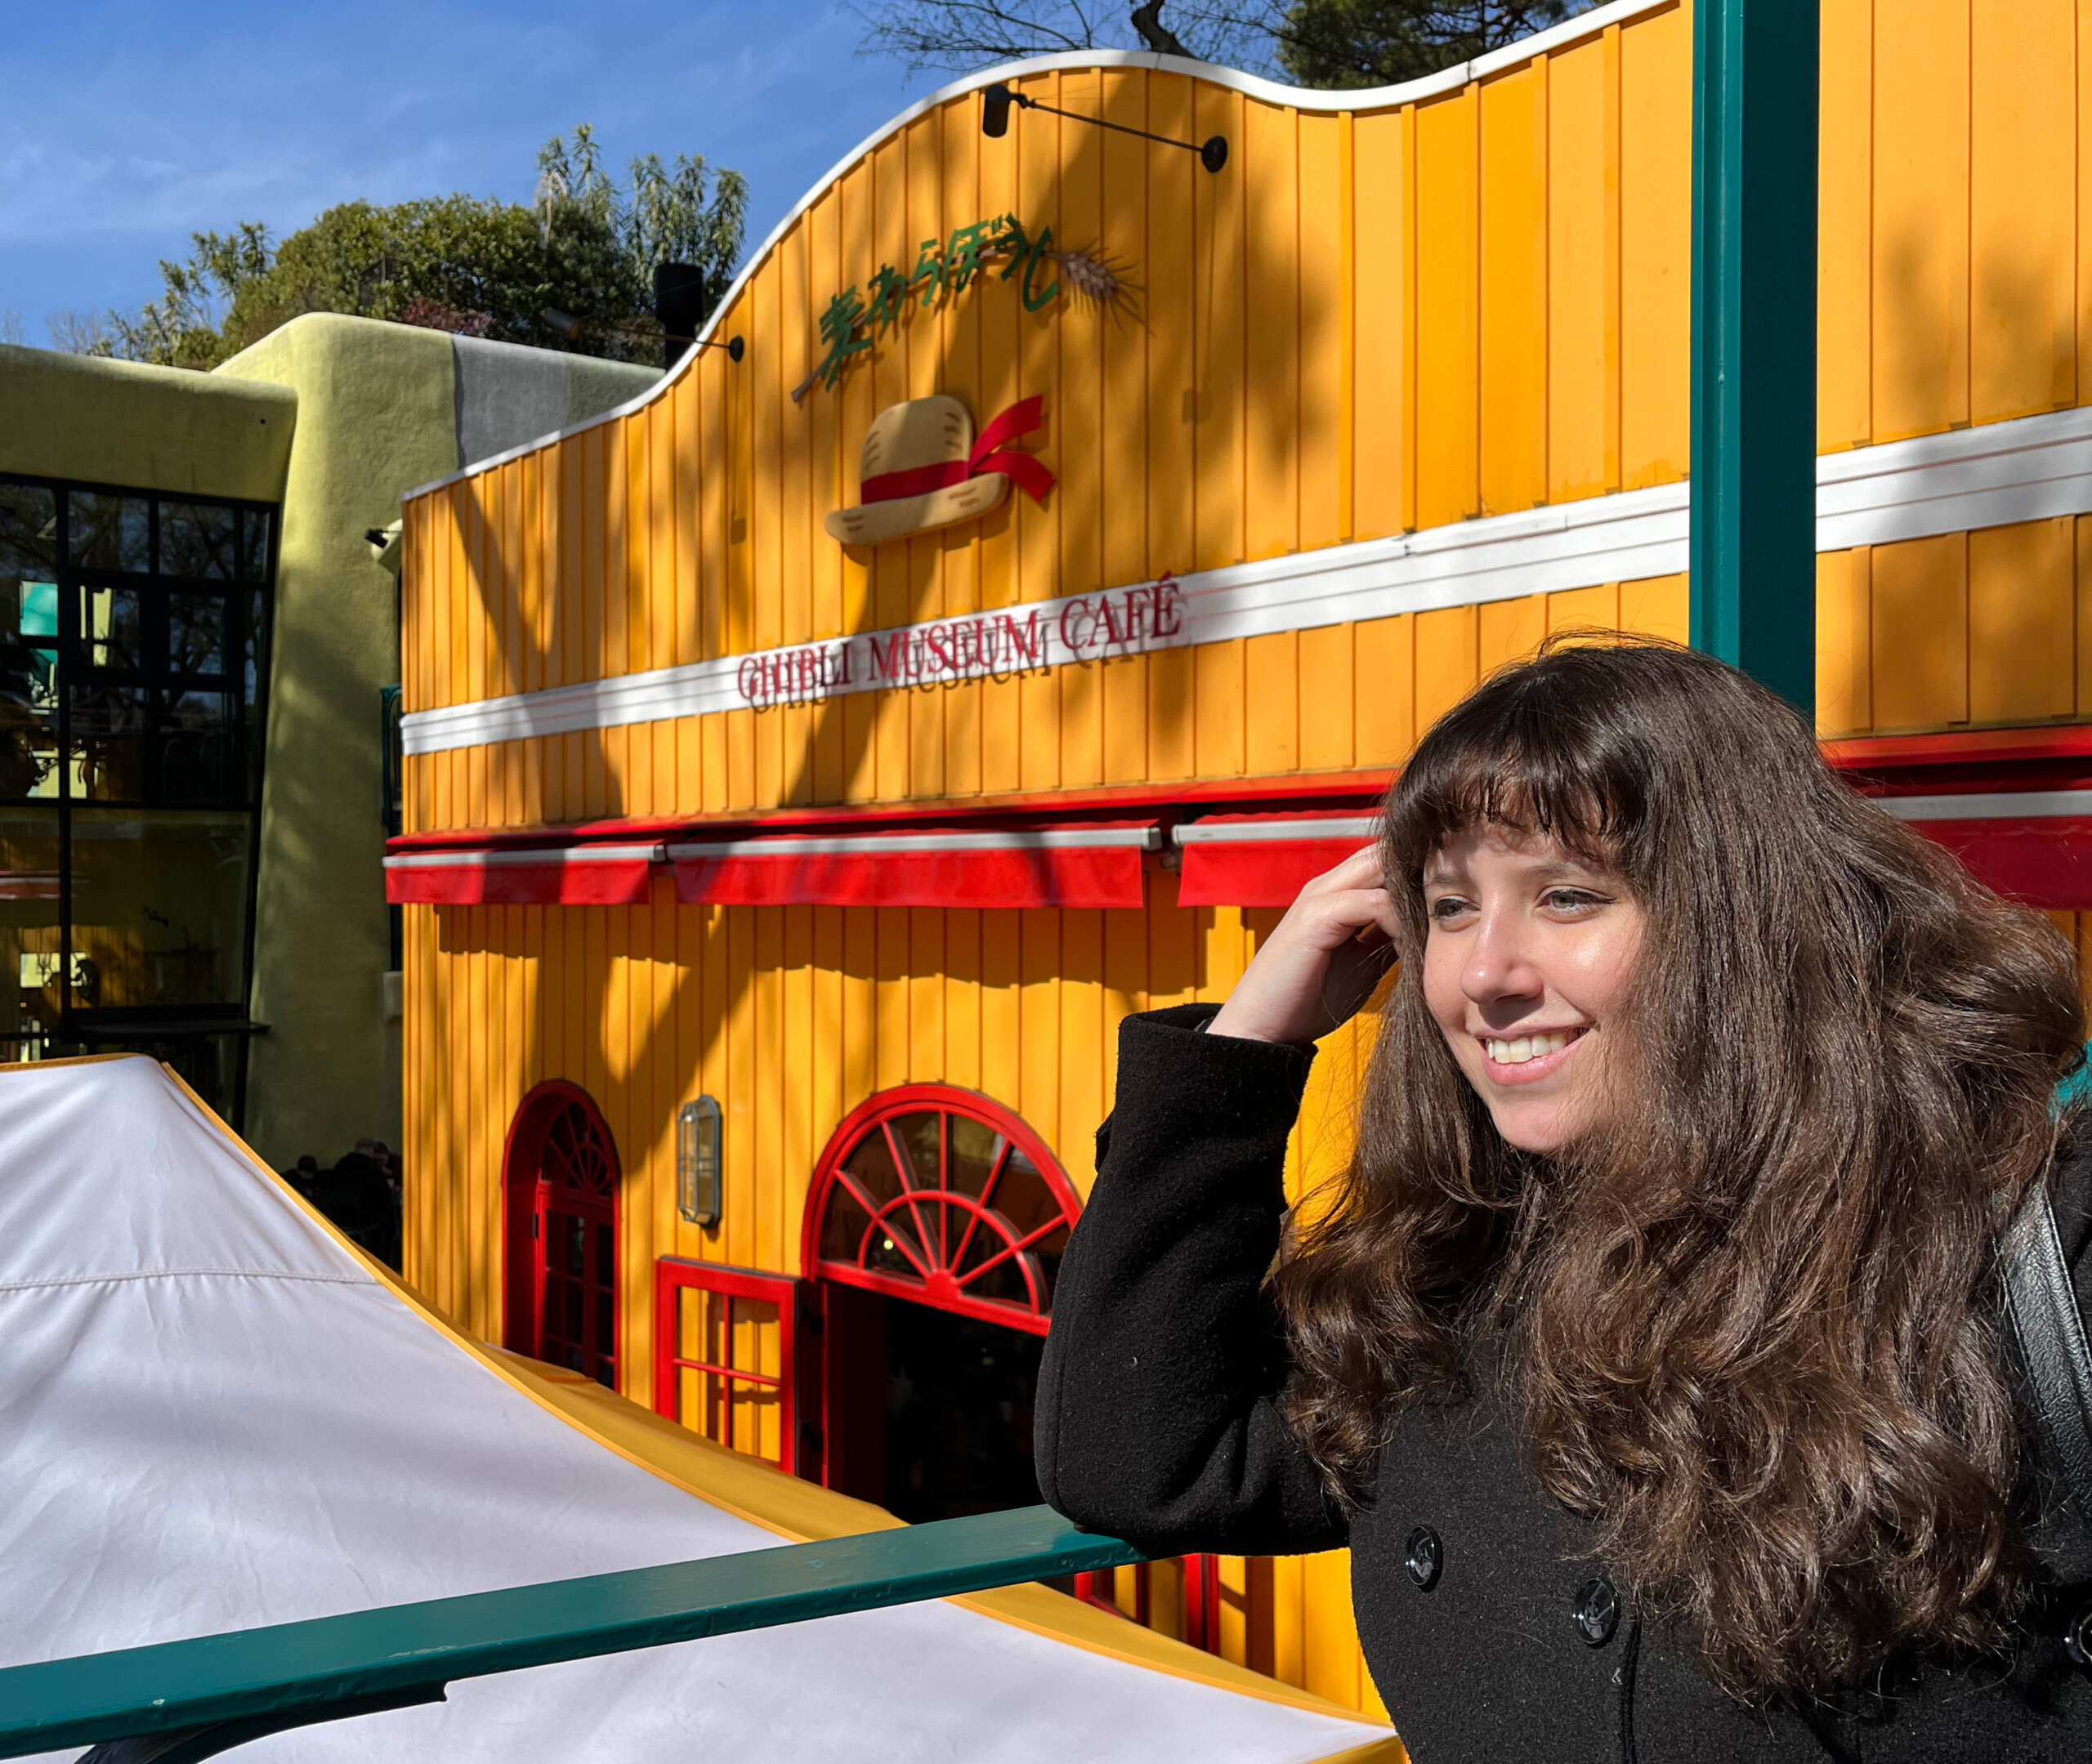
[1499, 965]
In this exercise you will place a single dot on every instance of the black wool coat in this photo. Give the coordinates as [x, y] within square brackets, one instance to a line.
[1489, 1629]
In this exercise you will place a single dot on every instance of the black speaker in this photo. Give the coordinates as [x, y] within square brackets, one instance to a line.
[679, 293]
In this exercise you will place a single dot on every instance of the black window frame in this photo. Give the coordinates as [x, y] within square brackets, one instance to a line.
[170, 1031]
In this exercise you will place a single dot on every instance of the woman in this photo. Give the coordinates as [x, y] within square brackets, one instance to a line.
[1649, 1357]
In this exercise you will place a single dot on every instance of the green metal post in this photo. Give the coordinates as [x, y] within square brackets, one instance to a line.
[1753, 549]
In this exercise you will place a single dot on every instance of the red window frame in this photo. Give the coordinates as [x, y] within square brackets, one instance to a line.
[936, 1283]
[672, 1277]
[531, 1202]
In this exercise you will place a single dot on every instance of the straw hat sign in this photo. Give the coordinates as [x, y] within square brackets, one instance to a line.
[923, 468]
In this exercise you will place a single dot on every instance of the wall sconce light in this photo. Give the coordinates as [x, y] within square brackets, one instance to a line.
[698, 1162]
[735, 346]
[996, 99]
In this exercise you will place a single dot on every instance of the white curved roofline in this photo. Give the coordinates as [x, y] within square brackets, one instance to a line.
[1560, 36]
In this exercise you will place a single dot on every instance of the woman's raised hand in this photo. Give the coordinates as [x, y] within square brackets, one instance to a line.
[1322, 963]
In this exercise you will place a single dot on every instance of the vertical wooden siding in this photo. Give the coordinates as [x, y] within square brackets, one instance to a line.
[1370, 323]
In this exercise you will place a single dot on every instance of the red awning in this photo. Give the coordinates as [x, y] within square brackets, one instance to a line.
[1094, 865]
[540, 876]
[1262, 861]
[2033, 845]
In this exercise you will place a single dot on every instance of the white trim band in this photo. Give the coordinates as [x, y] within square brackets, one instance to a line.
[2030, 469]
[508, 858]
[1261, 832]
[894, 845]
[1992, 806]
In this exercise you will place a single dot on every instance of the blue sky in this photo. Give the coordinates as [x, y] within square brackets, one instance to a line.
[131, 125]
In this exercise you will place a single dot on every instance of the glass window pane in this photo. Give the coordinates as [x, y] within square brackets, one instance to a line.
[159, 906]
[842, 1228]
[1022, 1196]
[28, 689]
[28, 929]
[196, 633]
[971, 1155]
[110, 728]
[254, 545]
[250, 651]
[920, 1136]
[149, 745]
[191, 759]
[872, 1165]
[29, 531]
[197, 540]
[113, 628]
[109, 532]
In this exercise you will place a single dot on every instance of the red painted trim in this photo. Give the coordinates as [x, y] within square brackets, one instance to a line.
[1268, 873]
[1956, 747]
[910, 1099]
[1105, 878]
[672, 1277]
[2042, 864]
[551, 883]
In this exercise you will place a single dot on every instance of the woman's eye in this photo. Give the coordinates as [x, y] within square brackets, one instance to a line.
[1573, 899]
[1449, 907]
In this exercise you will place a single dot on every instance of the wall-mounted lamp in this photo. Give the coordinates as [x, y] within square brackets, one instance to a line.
[697, 1161]
[735, 346]
[996, 99]
[560, 323]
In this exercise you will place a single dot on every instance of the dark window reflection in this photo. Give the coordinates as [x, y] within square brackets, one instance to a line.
[196, 633]
[253, 545]
[199, 540]
[110, 531]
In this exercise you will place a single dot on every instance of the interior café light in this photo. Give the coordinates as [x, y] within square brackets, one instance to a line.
[697, 1161]
[996, 99]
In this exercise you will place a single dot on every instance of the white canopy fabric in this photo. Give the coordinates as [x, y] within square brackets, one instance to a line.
[213, 1415]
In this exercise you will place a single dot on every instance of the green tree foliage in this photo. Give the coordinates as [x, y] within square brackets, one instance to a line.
[585, 249]
[1380, 43]
[1311, 42]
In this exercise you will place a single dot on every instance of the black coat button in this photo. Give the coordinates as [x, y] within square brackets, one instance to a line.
[2077, 1638]
[1424, 1557]
[1596, 1613]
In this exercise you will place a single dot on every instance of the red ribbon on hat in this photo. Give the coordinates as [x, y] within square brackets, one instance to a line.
[990, 455]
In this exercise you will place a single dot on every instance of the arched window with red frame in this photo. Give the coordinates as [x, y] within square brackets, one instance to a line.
[941, 1196]
[559, 1181]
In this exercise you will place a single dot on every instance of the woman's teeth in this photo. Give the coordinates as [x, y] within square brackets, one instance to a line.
[1527, 1047]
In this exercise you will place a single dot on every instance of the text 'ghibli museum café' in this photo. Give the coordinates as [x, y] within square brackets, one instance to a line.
[809, 763]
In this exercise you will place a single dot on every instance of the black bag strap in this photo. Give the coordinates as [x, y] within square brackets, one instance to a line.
[2053, 1354]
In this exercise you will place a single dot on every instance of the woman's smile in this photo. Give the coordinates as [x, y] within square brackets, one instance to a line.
[1527, 1056]
[1528, 952]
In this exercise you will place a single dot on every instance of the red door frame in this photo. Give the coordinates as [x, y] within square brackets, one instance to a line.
[939, 1289]
[523, 1236]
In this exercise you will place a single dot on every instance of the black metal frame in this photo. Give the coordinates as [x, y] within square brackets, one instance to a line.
[248, 745]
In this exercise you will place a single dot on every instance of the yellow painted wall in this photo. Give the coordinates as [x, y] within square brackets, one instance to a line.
[1372, 321]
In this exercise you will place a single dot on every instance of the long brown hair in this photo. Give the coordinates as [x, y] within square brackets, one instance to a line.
[1747, 1318]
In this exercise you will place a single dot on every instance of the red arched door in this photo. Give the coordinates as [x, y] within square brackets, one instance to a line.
[941, 1196]
[560, 1182]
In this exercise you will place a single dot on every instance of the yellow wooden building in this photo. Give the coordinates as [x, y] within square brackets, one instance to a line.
[773, 884]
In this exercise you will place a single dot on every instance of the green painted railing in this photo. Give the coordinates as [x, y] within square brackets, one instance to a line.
[227, 1688]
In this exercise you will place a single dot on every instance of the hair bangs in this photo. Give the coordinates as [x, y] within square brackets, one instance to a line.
[1527, 756]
